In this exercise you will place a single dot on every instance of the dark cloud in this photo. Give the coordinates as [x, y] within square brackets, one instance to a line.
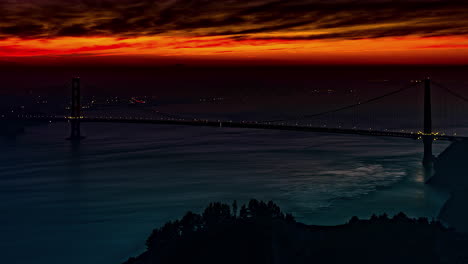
[310, 19]
[73, 30]
[22, 30]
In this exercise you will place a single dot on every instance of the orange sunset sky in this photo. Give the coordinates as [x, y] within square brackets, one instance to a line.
[198, 31]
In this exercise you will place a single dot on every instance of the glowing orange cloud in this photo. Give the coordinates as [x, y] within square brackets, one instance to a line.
[404, 50]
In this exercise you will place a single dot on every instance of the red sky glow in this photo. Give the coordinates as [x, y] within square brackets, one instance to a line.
[297, 32]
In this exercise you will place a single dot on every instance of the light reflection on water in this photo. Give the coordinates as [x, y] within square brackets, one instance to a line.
[96, 202]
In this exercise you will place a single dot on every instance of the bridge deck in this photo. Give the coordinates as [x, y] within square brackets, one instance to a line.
[250, 125]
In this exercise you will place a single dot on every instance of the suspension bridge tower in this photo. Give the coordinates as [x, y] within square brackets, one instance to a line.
[428, 137]
[75, 115]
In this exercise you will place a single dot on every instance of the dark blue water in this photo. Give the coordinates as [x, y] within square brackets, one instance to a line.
[98, 201]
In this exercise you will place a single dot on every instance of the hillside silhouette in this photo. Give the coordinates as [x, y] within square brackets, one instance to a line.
[260, 232]
[451, 174]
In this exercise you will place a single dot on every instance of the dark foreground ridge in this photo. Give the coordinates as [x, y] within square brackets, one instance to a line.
[451, 174]
[261, 233]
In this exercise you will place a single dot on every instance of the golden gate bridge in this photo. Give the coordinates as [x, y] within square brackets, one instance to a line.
[314, 121]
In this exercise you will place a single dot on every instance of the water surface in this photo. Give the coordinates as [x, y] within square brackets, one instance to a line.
[97, 202]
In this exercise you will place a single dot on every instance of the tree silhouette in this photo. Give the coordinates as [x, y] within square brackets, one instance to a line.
[262, 233]
[234, 209]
